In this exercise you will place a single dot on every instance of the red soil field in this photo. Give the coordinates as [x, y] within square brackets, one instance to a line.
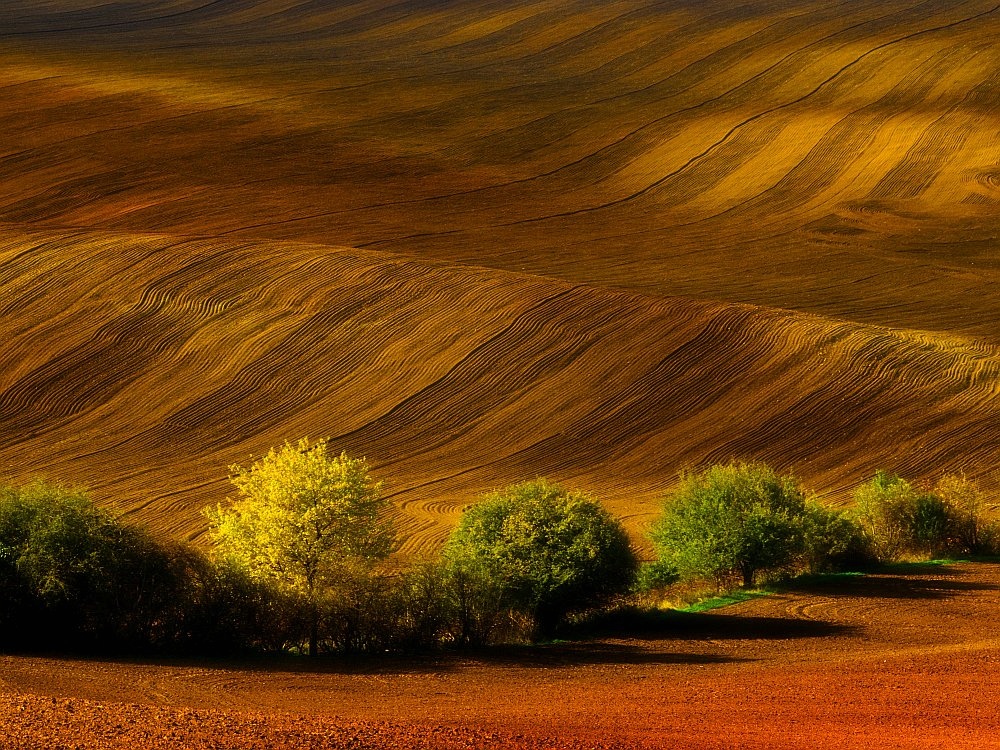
[905, 660]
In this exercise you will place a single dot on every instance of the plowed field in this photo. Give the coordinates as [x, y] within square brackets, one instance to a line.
[891, 661]
[479, 242]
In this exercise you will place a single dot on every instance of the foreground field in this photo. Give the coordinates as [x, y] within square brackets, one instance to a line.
[903, 660]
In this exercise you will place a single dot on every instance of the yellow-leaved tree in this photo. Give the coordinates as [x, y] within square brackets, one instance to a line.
[304, 519]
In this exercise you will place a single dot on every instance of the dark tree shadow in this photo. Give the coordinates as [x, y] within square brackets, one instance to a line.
[583, 653]
[542, 656]
[652, 625]
[897, 582]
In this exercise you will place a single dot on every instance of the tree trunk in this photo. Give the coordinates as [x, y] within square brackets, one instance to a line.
[748, 574]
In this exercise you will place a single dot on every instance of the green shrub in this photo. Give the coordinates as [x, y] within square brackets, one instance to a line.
[830, 540]
[76, 575]
[654, 575]
[898, 520]
[884, 510]
[223, 610]
[537, 549]
[479, 605]
[428, 614]
[736, 519]
[970, 530]
[931, 525]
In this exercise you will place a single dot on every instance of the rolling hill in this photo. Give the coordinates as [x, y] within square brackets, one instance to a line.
[481, 241]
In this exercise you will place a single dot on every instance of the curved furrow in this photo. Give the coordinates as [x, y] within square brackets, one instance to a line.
[817, 171]
[805, 181]
[655, 184]
[587, 214]
[479, 380]
[653, 130]
[579, 381]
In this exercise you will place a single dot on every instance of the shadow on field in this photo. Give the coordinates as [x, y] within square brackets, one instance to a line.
[587, 653]
[899, 582]
[672, 624]
[542, 656]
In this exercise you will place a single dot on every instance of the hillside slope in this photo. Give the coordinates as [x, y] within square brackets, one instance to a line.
[837, 157]
[144, 367]
[481, 241]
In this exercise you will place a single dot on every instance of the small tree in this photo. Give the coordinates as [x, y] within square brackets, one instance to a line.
[740, 518]
[303, 521]
[547, 550]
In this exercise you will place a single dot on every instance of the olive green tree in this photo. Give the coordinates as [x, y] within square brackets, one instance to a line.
[830, 539]
[305, 519]
[884, 508]
[542, 550]
[75, 574]
[733, 519]
[898, 519]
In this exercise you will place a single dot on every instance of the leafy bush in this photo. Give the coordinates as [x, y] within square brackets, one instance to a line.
[830, 540]
[223, 610]
[970, 531]
[734, 519]
[898, 520]
[428, 615]
[931, 525]
[478, 603]
[540, 550]
[73, 574]
[885, 509]
[653, 575]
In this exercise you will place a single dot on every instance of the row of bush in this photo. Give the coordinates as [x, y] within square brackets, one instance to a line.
[738, 521]
[301, 560]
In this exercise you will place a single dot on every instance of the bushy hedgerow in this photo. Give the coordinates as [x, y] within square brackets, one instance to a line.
[738, 520]
[969, 529]
[77, 576]
[899, 520]
[526, 559]
[74, 576]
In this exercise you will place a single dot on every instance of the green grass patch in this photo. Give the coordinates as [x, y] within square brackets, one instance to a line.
[723, 600]
[942, 561]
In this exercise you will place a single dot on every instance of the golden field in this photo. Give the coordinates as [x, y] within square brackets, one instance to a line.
[478, 242]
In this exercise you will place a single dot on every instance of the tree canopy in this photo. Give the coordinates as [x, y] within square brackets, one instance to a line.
[551, 550]
[71, 572]
[304, 518]
[738, 518]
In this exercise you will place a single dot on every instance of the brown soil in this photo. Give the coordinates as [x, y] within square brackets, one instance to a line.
[890, 661]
